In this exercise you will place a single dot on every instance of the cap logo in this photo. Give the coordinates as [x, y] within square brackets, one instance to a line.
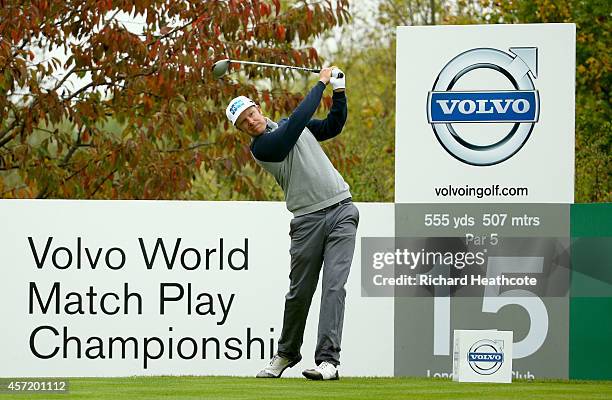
[236, 106]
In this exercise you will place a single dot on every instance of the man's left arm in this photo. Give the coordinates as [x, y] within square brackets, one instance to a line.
[330, 127]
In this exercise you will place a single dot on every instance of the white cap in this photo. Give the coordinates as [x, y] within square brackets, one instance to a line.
[236, 107]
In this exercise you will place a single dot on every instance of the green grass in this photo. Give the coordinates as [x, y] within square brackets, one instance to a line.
[192, 387]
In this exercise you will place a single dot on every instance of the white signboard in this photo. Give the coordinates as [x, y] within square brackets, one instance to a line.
[485, 113]
[115, 288]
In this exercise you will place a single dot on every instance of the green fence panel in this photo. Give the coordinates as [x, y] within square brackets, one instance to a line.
[591, 292]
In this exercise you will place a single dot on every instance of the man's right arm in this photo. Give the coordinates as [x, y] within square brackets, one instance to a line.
[330, 127]
[274, 146]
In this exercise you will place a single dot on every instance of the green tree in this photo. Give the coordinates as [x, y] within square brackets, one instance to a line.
[148, 115]
[369, 135]
[367, 54]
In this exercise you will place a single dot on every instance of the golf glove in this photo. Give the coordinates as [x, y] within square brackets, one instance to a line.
[338, 79]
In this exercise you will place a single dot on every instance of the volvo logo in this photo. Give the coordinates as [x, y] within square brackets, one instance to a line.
[518, 108]
[486, 357]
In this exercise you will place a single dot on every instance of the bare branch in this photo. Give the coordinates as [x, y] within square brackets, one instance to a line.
[190, 148]
[6, 131]
[72, 150]
[107, 177]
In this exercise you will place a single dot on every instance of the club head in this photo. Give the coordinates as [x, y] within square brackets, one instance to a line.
[220, 68]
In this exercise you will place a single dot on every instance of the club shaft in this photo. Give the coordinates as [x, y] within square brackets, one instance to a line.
[276, 65]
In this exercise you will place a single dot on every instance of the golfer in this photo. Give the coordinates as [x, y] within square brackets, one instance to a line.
[325, 220]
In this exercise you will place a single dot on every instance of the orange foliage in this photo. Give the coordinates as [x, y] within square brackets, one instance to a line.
[54, 140]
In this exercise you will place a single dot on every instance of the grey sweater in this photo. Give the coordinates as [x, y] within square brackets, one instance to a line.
[290, 151]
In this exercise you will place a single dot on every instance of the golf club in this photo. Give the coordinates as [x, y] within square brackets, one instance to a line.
[220, 67]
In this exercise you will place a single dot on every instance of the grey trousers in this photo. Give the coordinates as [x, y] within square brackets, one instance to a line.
[325, 240]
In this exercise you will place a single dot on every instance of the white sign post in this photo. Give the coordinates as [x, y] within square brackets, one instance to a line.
[485, 148]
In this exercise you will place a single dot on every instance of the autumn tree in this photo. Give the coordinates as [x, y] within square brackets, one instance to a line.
[135, 114]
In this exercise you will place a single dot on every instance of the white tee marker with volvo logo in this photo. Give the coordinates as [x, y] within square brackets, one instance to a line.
[518, 108]
[482, 356]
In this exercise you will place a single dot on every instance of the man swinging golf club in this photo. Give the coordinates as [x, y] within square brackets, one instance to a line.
[325, 220]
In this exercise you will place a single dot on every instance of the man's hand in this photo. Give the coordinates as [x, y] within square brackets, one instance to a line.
[338, 80]
[325, 75]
